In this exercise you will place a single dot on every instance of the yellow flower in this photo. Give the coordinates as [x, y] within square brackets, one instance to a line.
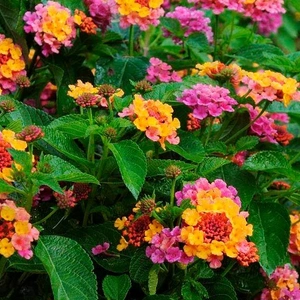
[191, 216]
[196, 238]
[120, 224]
[123, 244]
[6, 248]
[154, 228]
[81, 88]
[22, 227]
[8, 213]
[9, 137]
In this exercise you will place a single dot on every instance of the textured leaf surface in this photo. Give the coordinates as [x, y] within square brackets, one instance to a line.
[116, 287]
[220, 288]
[64, 171]
[271, 227]
[246, 143]
[153, 279]
[132, 164]
[33, 265]
[189, 147]
[193, 290]
[69, 267]
[140, 266]
[211, 164]
[6, 187]
[91, 236]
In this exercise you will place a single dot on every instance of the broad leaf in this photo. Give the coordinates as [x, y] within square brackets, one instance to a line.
[33, 265]
[153, 279]
[220, 288]
[193, 290]
[189, 147]
[140, 266]
[198, 41]
[132, 164]
[6, 187]
[271, 231]
[69, 267]
[246, 143]
[116, 287]
[211, 164]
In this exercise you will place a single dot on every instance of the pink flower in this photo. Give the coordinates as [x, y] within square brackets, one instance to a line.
[100, 248]
[191, 20]
[207, 100]
[27, 254]
[21, 242]
[160, 71]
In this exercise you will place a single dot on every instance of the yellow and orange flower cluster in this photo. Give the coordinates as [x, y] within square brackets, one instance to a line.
[140, 12]
[155, 118]
[215, 228]
[16, 233]
[294, 243]
[8, 140]
[12, 64]
[85, 23]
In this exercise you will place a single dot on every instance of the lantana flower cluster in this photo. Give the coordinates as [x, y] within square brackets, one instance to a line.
[282, 284]
[207, 100]
[53, 26]
[159, 71]
[216, 226]
[12, 65]
[191, 20]
[154, 118]
[8, 140]
[140, 13]
[294, 242]
[16, 232]
[269, 85]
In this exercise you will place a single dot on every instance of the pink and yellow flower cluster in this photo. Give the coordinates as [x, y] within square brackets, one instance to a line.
[154, 118]
[216, 226]
[140, 12]
[53, 26]
[12, 65]
[16, 233]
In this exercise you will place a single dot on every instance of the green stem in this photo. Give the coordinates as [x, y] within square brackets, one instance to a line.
[250, 123]
[30, 148]
[29, 199]
[3, 261]
[131, 40]
[172, 192]
[228, 268]
[89, 205]
[295, 158]
[103, 158]
[47, 217]
[216, 34]
[210, 125]
[91, 145]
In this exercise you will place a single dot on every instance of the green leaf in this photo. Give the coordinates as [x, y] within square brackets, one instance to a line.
[243, 181]
[119, 71]
[116, 287]
[153, 279]
[246, 143]
[163, 92]
[172, 25]
[132, 164]
[193, 290]
[189, 147]
[198, 41]
[22, 158]
[140, 266]
[91, 236]
[40, 179]
[211, 164]
[64, 171]
[200, 269]
[33, 265]
[69, 267]
[220, 288]
[6, 187]
[271, 231]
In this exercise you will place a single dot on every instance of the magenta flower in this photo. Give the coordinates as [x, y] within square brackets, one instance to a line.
[191, 20]
[207, 100]
[100, 248]
[160, 71]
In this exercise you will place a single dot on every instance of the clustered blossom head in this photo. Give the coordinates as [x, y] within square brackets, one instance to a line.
[257, 10]
[164, 247]
[282, 284]
[216, 227]
[159, 71]
[101, 12]
[221, 72]
[155, 118]
[207, 100]
[142, 13]
[202, 186]
[269, 85]
[136, 230]
[85, 23]
[66, 199]
[52, 25]
[294, 243]
[12, 65]
[30, 133]
[16, 233]
[8, 140]
[191, 20]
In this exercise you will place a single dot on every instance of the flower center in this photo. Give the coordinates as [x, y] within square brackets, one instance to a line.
[143, 2]
[6, 229]
[5, 158]
[215, 226]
